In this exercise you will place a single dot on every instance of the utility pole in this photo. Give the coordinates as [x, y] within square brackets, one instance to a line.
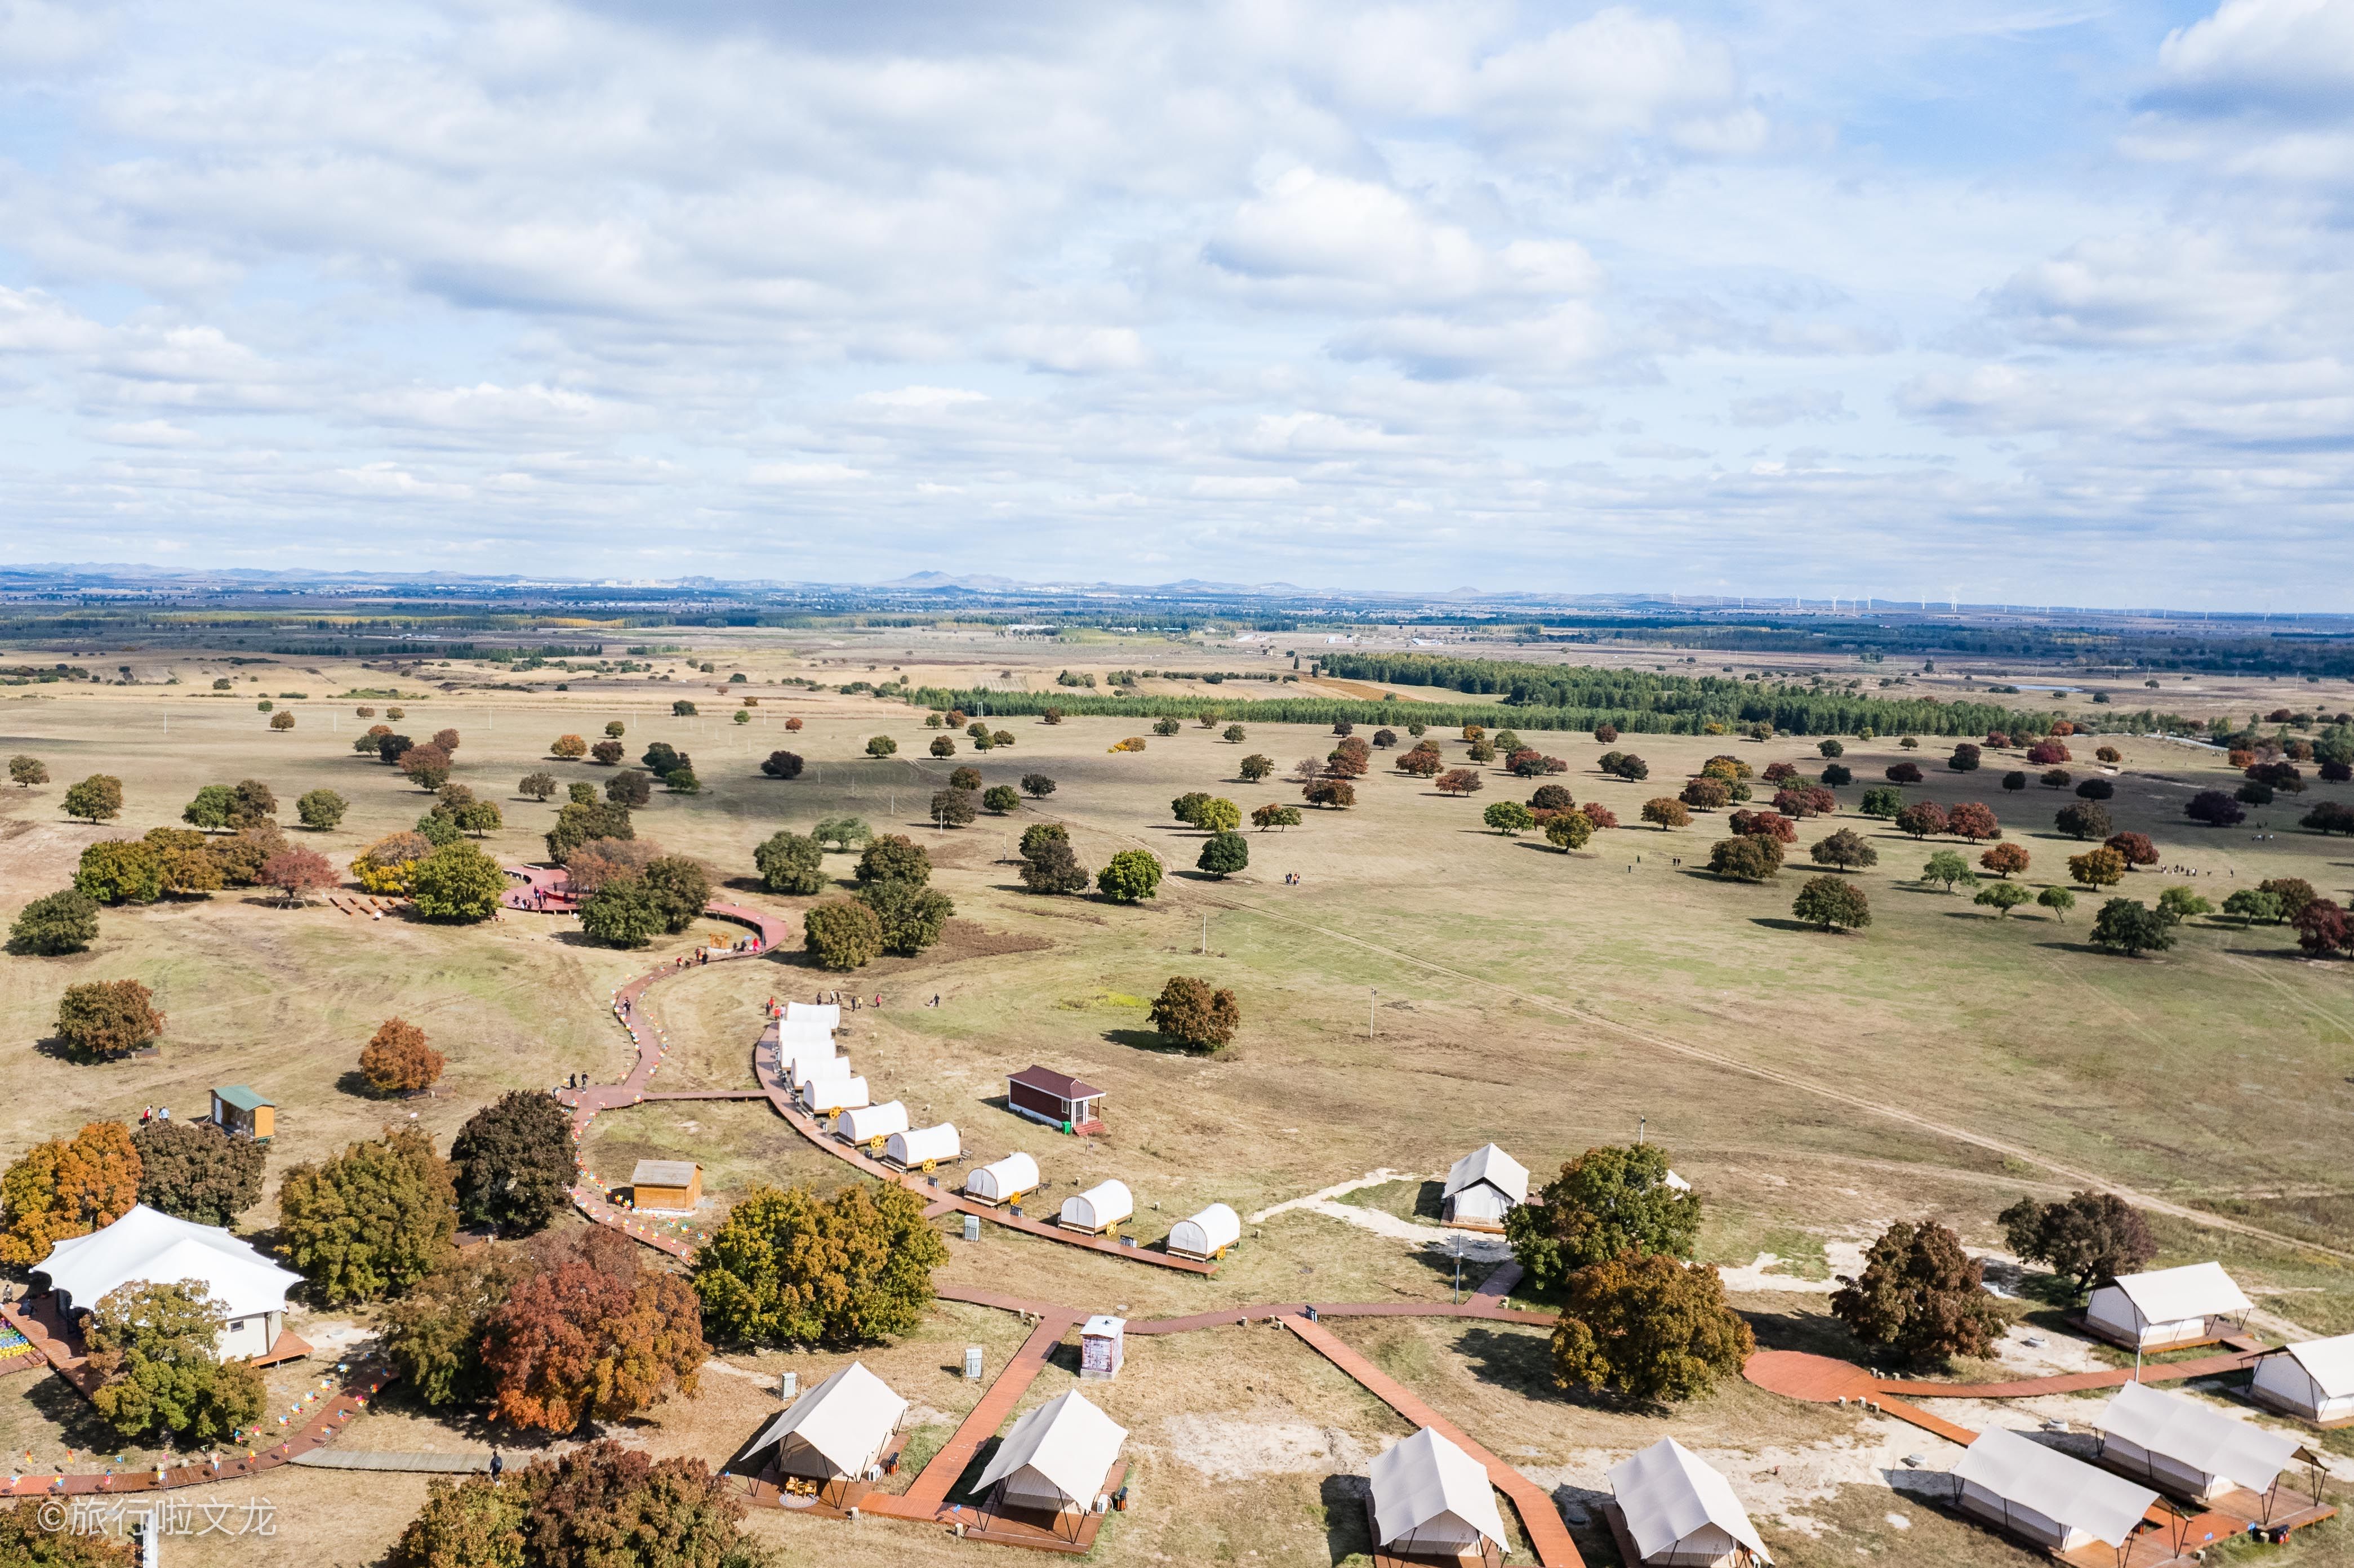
[1371, 997]
[1642, 1124]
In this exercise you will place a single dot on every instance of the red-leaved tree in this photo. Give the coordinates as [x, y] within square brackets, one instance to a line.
[593, 1336]
[1973, 821]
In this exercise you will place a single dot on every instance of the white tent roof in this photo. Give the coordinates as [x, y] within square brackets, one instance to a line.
[1678, 1182]
[2067, 1492]
[874, 1122]
[2195, 1435]
[155, 1248]
[1422, 1477]
[1067, 1441]
[2330, 1362]
[1667, 1494]
[1490, 1164]
[846, 1418]
[828, 1013]
[915, 1147]
[2171, 1294]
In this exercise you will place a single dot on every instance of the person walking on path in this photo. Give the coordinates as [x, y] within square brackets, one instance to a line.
[498, 1469]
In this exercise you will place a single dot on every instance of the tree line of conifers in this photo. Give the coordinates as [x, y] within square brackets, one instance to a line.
[1611, 1240]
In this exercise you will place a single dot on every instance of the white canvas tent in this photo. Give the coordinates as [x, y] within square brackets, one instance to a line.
[2164, 1308]
[924, 1146]
[149, 1247]
[1055, 1458]
[823, 1096]
[1098, 1208]
[1204, 1235]
[2314, 1379]
[1003, 1181]
[837, 1431]
[871, 1123]
[1483, 1187]
[825, 1014]
[803, 1033]
[1680, 1512]
[2188, 1449]
[805, 1068]
[1431, 1495]
[2039, 1493]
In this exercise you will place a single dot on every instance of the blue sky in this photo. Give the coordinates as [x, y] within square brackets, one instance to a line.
[2029, 303]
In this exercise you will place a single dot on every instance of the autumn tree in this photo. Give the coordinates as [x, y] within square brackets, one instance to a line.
[1610, 1199]
[512, 1163]
[1921, 1295]
[1903, 773]
[1335, 793]
[628, 789]
[2323, 929]
[2102, 867]
[1765, 824]
[396, 1060]
[66, 1187]
[434, 1334]
[592, 1334]
[102, 1020]
[788, 1267]
[1648, 1329]
[1972, 821]
[1805, 801]
[427, 767]
[2005, 860]
[196, 1171]
[1569, 830]
[97, 799]
[582, 820]
[1265, 817]
[1922, 819]
[1460, 781]
[1422, 762]
[297, 873]
[1190, 1013]
[1665, 811]
[375, 1219]
[120, 871]
[1706, 794]
[2087, 1237]
[568, 749]
[154, 1349]
[843, 933]
[1845, 850]
[607, 753]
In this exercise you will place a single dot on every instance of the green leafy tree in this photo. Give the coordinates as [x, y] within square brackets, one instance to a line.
[434, 1334]
[1254, 767]
[2059, 900]
[2177, 904]
[188, 861]
[842, 833]
[375, 1219]
[580, 821]
[1611, 1199]
[120, 871]
[1002, 799]
[942, 745]
[912, 917]
[438, 827]
[1235, 735]
[479, 816]
[788, 1267]
[1947, 868]
[195, 1171]
[680, 888]
[1846, 850]
[100, 1020]
[791, 863]
[1508, 817]
[628, 789]
[210, 809]
[682, 709]
[1224, 854]
[1218, 816]
[512, 1163]
[2248, 906]
[154, 1346]
[625, 913]
[580, 793]
[843, 933]
[1265, 817]
[57, 923]
[1920, 1295]
[893, 857]
[779, 764]
[1830, 748]
[31, 1541]
[1751, 857]
[1196, 1016]
[321, 811]
[1882, 802]
[2130, 926]
[1129, 877]
[2002, 898]
[457, 883]
[1051, 866]
[1648, 1330]
[1826, 902]
[1037, 835]
[1569, 830]
[26, 771]
[250, 803]
[2087, 1236]
[97, 799]
[2084, 820]
[1187, 808]
[1037, 786]
[2294, 892]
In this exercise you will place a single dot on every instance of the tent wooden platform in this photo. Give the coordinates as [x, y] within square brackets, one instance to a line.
[1034, 1528]
[1490, 1556]
[2247, 1344]
[1615, 1517]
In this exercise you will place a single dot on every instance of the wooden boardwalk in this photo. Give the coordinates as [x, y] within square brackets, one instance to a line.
[929, 1493]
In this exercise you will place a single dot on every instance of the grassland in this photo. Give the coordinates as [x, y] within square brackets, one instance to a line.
[1427, 985]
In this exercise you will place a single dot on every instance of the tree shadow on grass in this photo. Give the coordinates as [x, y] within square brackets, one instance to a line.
[1150, 1039]
[1782, 923]
[1520, 1362]
[1348, 1532]
[1815, 1333]
[2090, 950]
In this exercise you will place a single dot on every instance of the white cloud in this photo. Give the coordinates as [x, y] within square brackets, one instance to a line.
[803, 473]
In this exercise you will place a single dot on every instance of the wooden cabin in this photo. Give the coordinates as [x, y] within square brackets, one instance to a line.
[1056, 1099]
[672, 1184]
[237, 1108]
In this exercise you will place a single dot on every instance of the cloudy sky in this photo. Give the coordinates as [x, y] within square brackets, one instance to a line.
[2027, 303]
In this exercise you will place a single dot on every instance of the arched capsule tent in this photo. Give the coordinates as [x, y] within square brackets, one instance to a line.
[1098, 1208]
[1006, 1181]
[809, 1067]
[1207, 1235]
[822, 1015]
[873, 1125]
[824, 1096]
[923, 1148]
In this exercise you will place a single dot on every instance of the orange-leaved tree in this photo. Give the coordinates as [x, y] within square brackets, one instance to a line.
[67, 1188]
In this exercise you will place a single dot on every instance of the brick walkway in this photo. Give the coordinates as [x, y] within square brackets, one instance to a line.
[925, 1498]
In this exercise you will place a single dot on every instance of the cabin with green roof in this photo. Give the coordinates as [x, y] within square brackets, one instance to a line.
[239, 1109]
